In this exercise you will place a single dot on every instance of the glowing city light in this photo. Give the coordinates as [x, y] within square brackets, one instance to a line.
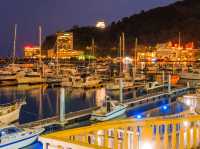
[101, 24]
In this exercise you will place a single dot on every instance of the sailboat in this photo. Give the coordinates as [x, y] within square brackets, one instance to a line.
[114, 84]
[31, 76]
[8, 74]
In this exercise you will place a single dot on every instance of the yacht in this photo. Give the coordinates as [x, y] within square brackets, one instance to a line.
[12, 137]
[30, 77]
[10, 113]
[76, 81]
[194, 74]
[190, 75]
[92, 82]
[9, 72]
[110, 111]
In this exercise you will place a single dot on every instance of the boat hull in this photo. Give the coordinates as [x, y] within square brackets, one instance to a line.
[21, 144]
[29, 80]
[110, 115]
[190, 76]
[10, 117]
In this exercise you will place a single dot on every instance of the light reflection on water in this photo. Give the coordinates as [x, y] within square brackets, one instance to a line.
[42, 102]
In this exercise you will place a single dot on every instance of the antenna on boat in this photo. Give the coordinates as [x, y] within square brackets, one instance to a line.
[14, 44]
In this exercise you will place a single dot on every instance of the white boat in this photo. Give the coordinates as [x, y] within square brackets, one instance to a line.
[153, 85]
[86, 83]
[30, 77]
[12, 137]
[9, 72]
[190, 75]
[110, 111]
[92, 82]
[115, 85]
[10, 113]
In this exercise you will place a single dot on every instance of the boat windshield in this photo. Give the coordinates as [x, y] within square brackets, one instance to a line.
[10, 130]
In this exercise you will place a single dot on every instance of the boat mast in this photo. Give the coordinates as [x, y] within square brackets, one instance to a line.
[120, 54]
[135, 60]
[123, 49]
[14, 44]
[93, 51]
[40, 44]
[179, 45]
[57, 55]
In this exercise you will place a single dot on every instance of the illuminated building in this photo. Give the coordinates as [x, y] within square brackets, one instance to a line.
[63, 47]
[31, 52]
[172, 52]
[68, 53]
[64, 41]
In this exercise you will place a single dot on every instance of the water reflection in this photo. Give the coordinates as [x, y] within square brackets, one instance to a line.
[43, 102]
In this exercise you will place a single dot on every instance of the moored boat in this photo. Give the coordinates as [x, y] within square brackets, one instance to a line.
[110, 111]
[12, 137]
[10, 113]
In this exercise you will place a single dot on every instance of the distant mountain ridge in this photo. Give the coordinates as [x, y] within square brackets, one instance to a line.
[157, 25]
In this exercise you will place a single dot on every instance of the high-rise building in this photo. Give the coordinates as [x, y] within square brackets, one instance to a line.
[63, 47]
[64, 41]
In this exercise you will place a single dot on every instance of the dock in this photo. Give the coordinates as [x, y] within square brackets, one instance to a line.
[156, 96]
[56, 119]
[87, 112]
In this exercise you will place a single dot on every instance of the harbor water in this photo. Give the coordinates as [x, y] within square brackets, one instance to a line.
[43, 102]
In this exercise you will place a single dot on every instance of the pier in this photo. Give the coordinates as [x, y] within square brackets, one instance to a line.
[156, 96]
[66, 118]
[56, 119]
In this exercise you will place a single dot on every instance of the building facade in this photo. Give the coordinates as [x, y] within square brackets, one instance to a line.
[31, 52]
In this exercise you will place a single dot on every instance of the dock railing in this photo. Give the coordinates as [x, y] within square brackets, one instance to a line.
[154, 133]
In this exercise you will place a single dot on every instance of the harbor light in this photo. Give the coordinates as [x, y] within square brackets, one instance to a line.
[164, 107]
[139, 116]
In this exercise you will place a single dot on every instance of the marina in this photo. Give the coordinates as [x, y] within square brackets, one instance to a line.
[131, 83]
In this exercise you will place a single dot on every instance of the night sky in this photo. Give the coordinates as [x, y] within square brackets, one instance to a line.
[56, 15]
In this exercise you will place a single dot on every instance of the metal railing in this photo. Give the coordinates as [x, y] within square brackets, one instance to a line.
[154, 133]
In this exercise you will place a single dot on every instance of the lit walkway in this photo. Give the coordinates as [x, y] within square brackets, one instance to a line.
[155, 133]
